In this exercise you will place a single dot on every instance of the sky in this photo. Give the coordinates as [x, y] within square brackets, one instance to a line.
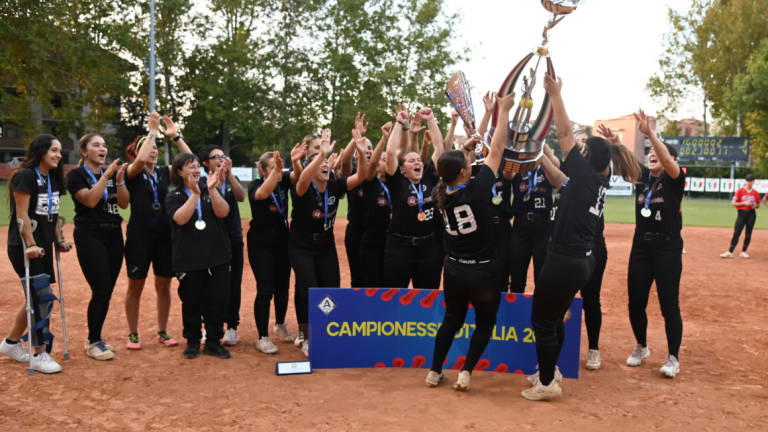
[605, 51]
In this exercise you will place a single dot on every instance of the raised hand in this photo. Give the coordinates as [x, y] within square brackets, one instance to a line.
[154, 122]
[112, 168]
[215, 178]
[426, 114]
[608, 134]
[403, 117]
[386, 128]
[226, 168]
[398, 109]
[170, 127]
[643, 123]
[279, 160]
[552, 85]
[506, 102]
[427, 138]
[360, 123]
[489, 100]
[333, 161]
[416, 125]
[471, 144]
[454, 117]
[298, 151]
[121, 173]
[325, 142]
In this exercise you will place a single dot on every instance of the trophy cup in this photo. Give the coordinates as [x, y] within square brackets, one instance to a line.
[460, 95]
[525, 142]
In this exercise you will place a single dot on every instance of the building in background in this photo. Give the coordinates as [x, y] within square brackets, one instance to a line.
[625, 127]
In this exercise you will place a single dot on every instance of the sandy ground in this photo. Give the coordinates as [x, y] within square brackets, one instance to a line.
[722, 385]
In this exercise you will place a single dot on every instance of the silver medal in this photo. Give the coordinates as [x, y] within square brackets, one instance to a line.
[200, 225]
[645, 212]
[156, 206]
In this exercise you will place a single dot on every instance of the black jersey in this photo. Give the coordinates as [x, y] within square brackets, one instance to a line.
[405, 203]
[580, 205]
[234, 228]
[466, 214]
[664, 204]
[194, 249]
[501, 197]
[356, 206]
[533, 193]
[378, 205]
[43, 208]
[148, 192]
[270, 213]
[314, 213]
[106, 210]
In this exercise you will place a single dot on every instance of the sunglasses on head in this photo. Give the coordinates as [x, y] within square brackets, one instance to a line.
[221, 156]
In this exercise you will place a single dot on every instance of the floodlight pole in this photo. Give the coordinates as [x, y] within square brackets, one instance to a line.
[152, 61]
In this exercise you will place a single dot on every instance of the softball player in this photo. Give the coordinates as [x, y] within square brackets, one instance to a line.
[746, 200]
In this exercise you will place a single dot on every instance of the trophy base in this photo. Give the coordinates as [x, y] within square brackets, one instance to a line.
[520, 162]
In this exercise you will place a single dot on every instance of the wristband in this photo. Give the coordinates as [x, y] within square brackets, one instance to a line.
[120, 184]
[176, 138]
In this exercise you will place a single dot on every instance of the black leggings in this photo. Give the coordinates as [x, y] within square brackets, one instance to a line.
[530, 239]
[744, 218]
[659, 260]
[315, 268]
[501, 231]
[463, 283]
[560, 279]
[203, 293]
[272, 269]
[404, 263]
[100, 254]
[593, 315]
[372, 257]
[352, 237]
[232, 317]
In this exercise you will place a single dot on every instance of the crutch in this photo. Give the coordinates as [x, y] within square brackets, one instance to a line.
[28, 293]
[59, 224]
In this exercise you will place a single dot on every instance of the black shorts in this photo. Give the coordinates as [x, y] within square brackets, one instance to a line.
[145, 248]
[36, 265]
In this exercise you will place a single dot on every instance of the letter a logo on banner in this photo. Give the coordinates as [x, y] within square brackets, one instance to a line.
[327, 305]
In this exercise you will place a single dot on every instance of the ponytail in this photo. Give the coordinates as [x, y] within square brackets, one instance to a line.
[624, 163]
[440, 194]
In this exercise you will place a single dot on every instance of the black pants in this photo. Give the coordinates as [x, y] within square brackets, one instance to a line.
[560, 279]
[100, 254]
[530, 238]
[404, 263]
[314, 267]
[372, 257]
[479, 284]
[203, 293]
[745, 218]
[268, 256]
[593, 315]
[232, 317]
[352, 237]
[659, 260]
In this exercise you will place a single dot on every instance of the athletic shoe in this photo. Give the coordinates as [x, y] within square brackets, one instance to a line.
[593, 360]
[282, 333]
[533, 379]
[42, 362]
[216, 350]
[299, 338]
[462, 381]
[165, 339]
[671, 367]
[133, 342]
[192, 349]
[99, 351]
[744, 254]
[541, 392]
[106, 346]
[230, 337]
[638, 355]
[15, 351]
[726, 254]
[305, 348]
[203, 337]
[266, 346]
[434, 379]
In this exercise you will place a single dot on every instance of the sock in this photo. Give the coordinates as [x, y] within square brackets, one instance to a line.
[11, 341]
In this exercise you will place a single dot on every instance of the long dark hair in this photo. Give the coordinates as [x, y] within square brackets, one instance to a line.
[449, 166]
[601, 153]
[179, 161]
[34, 155]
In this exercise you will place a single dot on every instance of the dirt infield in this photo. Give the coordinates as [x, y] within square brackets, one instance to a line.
[722, 385]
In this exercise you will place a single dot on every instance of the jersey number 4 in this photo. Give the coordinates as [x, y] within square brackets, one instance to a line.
[465, 220]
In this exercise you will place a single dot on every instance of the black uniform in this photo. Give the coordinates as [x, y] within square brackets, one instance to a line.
[569, 261]
[593, 315]
[413, 251]
[532, 225]
[148, 237]
[354, 233]
[268, 252]
[470, 268]
[657, 255]
[99, 243]
[201, 263]
[378, 210]
[235, 232]
[501, 212]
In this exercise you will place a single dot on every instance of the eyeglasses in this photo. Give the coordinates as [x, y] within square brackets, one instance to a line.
[221, 156]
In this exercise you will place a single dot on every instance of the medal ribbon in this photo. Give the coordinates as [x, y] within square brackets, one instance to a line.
[275, 200]
[650, 192]
[93, 177]
[325, 206]
[199, 208]
[461, 186]
[386, 191]
[532, 181]
[50, 194]
[153, 182]
[419, 195]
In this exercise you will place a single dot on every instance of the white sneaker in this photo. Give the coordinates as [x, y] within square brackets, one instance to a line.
[43, 362]
[638, 355]
[671, 367]
[266, 346]
[593, 360]
[744, 255]
[462, 381]
[533, 379]
[541, 392]
[299, 338]
[434, 379]
[203, 336]
[726, 254]
[15, 351]
[305, 348]
[106, 345]
[282, 333]
[99, 351]
[230, 337]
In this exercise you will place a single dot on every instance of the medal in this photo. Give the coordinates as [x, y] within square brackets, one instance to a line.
[645, 212]
[200, 225]
[421, 216]
[496, 200]
[526, 198]
[156, 206]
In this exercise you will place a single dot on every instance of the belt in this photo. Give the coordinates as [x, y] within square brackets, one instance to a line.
[569, 251]
[650, 236]
[468, 261]
[497, 219]
[412, 240]
[104, 225]
[320, 236]
[533, 216]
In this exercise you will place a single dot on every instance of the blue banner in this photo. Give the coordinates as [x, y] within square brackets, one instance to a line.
[376, 327]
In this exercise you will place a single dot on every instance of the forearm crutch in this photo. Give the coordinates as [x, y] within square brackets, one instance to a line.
[60, 223]
[27, 290]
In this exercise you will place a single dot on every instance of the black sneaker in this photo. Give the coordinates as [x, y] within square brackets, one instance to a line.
[192, 349]
[216, 350]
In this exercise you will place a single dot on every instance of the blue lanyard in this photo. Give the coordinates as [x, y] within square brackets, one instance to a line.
[325, 206]
[461, 186]
[93, 177]
[494, 192]
[386, 191]
[199, 208]
[419, 195]
[532, 181]
[153, 185]
[275, 200]
[223, 188]
[50, 194]
[650, 192]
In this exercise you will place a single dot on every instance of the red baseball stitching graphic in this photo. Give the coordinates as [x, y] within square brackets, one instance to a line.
[388, 294]
[510, 297]
[418, 361]
[408, 297]
[398, 362]
[429, 300]
[482, 364]
[502, 367]
[380, 365]
[370, 292]
[459, 362]
[519, 372]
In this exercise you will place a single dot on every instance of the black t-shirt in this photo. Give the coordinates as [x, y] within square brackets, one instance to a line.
[502, 205]
[26, 180]
[145, 216]
[270, 213]
[466, 213]
[405, 203]
[580, 206]
[533, 193]
[356, 206]
[194, 249]
[105, 211]
[665, 201]
[377, 205]
[233, 225]
[309, 217]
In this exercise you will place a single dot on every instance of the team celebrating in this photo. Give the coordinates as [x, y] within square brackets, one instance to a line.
[413, 217]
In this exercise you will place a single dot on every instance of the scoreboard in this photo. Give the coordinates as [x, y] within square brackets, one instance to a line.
[710, 149]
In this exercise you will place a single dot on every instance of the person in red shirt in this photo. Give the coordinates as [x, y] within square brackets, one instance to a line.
[746, 200]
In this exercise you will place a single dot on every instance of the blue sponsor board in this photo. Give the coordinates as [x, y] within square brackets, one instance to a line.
[376, 327]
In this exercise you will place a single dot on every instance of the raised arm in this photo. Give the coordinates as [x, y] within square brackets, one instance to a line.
[357, 178]
[171, 132]
[394, 142]
[413, 134]
[548, 153]
[666, 159]
[425, 145]
[434, 130]
[270, 183]
[220, 205]
[91, 197]
[326, 147]
[378, 151]
[297, 154]
[145, 151]
[562, 122]
[237, 189]
[493, 160]
[346, 158]
[448, 141]
[489, 103]
[123, 196]
[553, 173]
